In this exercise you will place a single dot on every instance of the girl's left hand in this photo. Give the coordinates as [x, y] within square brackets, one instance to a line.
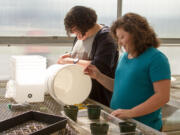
[92, 71]
[123, 113]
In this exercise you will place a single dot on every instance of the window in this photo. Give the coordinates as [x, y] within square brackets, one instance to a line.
[46, 17]
[163, 15]
[29, 27]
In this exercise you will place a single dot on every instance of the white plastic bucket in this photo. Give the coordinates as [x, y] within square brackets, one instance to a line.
[67, 84]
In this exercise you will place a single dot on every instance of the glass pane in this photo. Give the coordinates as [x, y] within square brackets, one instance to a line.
[46, 17]
[50, 52]
[163, 15]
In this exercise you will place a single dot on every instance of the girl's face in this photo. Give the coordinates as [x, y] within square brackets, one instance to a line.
[124, 40]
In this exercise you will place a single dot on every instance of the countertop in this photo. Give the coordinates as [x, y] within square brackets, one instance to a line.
[51, 106]
[175, 92]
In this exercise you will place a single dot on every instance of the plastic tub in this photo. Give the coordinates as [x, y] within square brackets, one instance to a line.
[67, 84]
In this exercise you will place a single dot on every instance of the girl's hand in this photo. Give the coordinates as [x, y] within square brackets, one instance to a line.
[92, 71]
[123, 113]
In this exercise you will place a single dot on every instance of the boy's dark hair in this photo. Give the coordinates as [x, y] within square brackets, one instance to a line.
[80, 17]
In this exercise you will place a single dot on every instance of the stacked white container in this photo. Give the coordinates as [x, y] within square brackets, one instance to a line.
[28, 74]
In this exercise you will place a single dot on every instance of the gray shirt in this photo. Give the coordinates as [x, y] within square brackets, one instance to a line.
[82, 48]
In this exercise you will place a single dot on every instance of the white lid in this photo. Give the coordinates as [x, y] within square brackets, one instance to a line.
[28, 58]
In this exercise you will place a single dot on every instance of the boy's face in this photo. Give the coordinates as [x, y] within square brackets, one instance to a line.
[78, 34]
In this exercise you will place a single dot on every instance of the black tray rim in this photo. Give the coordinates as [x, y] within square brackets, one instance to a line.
[55, 122]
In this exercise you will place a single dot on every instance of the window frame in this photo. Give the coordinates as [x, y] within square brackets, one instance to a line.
[8, 41]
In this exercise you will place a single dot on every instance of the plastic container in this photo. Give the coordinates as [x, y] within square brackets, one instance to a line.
[27, 66]
[28, 75]
[99, 128]
[127, 127]
[28, 91]
[71, 111]
[94, 111]
[67, 84]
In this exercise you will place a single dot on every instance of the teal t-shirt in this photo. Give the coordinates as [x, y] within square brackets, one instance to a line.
[134, 82]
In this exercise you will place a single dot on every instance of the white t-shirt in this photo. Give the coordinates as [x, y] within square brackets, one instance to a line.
[82, 48]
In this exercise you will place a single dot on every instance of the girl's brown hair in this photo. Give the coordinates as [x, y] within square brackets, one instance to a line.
[143, 35]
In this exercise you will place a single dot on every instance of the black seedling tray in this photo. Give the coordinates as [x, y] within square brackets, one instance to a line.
[52, 123]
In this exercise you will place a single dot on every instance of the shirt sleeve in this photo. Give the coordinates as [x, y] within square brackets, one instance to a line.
[105, 57]
[159, 68]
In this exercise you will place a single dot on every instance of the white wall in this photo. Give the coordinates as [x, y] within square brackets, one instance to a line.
[173, 54]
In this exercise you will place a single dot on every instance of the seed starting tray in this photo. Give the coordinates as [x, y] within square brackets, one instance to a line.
[33, 123]
[84, 123]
